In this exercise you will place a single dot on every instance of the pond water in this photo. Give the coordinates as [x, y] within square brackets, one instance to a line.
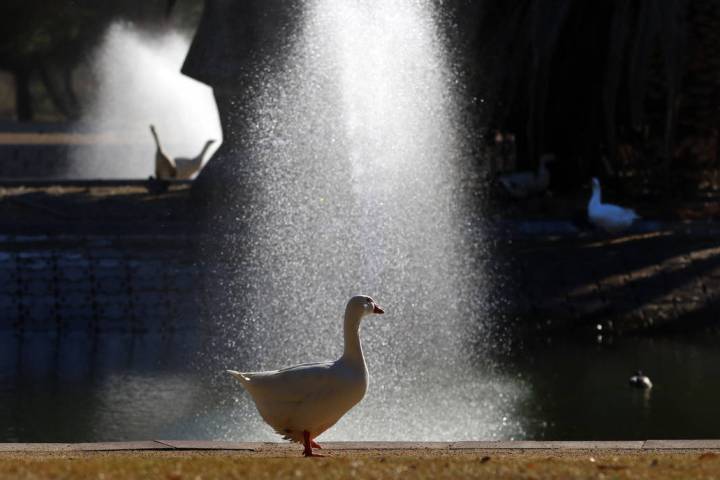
[122, 387]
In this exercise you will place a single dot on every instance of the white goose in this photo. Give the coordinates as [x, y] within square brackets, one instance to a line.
[524, 184]
[181, 168]
[187, 167]
[611, 218]
[164, 165]
[303, 401]
[640, 381]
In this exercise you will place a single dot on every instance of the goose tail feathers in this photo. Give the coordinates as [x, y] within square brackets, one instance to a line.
[240, 376]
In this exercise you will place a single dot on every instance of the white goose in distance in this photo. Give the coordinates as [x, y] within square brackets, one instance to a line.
[639, 380]
[524, 184]
[302, 401]
[181, 168]
[611, 218]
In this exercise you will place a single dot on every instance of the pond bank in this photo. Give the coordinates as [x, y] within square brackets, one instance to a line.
[91, 253]
[651, 280]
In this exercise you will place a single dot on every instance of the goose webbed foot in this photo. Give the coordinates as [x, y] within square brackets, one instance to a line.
[311, 454]
[309, 444]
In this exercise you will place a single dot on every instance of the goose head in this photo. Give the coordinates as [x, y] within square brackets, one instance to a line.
[206, 147]
[358, 307]
[361, 305]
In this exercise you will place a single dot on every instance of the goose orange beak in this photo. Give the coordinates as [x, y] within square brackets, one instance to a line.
[377, 308]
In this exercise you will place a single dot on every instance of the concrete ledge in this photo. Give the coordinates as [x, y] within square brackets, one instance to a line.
[83, 182]
[209, 445]
[34, 447]
[386, 445]
[682, 445]
[184, 445]
[118, 446]
[84, 447]
[553, 445]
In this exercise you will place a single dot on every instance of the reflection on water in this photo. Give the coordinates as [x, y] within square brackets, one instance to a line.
[580, 391]
[121, 387]
[77, 387]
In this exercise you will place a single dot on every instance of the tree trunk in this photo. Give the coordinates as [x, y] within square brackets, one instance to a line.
[699, 120]
[58, 83]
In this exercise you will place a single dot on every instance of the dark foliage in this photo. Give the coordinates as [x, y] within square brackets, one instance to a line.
[612, 87]
[48, 39]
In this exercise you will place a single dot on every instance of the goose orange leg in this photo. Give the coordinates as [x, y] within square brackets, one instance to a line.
[309, 444]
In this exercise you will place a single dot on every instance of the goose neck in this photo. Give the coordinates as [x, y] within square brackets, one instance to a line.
[205, 149]
[155, 137]
[351, 331]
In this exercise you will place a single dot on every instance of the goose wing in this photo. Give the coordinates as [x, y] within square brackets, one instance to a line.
[616, 212]
[293, 384]
[517, 184]
[303, 397]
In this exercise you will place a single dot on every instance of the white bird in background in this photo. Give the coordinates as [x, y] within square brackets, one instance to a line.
[179, 168]
[611, 218]
[164, 165]
[527, 183]
[640, 381]
[303, 401]
[187, 167]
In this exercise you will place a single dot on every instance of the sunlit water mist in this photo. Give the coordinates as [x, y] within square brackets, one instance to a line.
[361, 163]
[138, 83]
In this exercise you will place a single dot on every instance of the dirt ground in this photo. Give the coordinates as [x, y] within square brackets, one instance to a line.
[367, 464]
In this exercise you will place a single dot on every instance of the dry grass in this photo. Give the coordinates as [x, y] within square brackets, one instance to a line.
[364, 465]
